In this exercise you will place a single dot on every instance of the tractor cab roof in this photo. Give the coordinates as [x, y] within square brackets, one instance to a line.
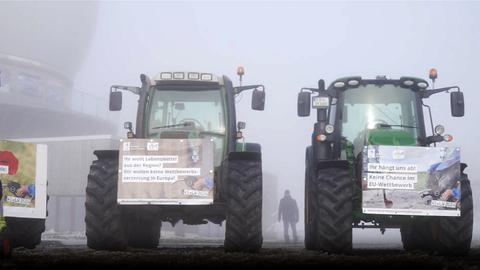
[416, 84]
[187, 76]
[185, 80]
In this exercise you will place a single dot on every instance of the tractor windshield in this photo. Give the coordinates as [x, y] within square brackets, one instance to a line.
[188, 114]
[386, 110]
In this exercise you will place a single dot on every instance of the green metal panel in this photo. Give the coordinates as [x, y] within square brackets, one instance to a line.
[240, 146]
[387, 136]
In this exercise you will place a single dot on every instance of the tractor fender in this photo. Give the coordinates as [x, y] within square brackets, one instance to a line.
[253, 147]
[236, 159]
[106, 154]
[463, 166]
[322, 164]
[250, 156]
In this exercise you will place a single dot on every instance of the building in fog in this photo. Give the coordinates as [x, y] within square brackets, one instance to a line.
[43, 46]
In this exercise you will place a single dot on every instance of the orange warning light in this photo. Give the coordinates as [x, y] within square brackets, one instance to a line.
[448, 138]
[240, 71]
[321, 137]
[433, 74]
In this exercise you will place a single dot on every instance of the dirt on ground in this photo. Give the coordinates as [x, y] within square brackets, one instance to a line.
[51, 255]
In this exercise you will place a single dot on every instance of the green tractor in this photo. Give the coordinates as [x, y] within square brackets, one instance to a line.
[182, 105]
[356, 114]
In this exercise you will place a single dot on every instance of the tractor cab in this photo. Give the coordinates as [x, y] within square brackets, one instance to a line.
[188, 105]
[380, 112]
[190, 110]
[358, 112]
[370, 165]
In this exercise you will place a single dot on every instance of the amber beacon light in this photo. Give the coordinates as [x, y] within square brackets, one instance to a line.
[433, 74]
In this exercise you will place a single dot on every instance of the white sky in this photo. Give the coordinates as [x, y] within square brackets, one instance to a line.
[288, 45]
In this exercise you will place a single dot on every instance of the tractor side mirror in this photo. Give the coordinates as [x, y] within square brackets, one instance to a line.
[303, 104]
[241, 125]
[258, 100]
[127, 126]
[457, 104]
[115, 101]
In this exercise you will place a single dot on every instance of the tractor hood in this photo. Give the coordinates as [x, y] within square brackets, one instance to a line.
[384, 136]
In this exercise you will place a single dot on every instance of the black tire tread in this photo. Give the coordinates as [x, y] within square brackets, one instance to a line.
[25, 232]
[450, 236]
[310, 203]
[244, 207]
[334, 210]
[455, 233]
[143, 229]
[417, 235]
[104, 224]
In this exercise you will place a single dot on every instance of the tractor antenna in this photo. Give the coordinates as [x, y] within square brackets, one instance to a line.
[240, 73]
[433, 74]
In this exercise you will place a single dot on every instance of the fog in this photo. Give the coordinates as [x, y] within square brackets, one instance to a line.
[285, 46]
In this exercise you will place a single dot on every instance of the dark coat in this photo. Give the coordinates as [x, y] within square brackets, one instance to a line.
[288, 210]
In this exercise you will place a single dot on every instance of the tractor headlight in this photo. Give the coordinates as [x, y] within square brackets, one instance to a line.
[193, 76]
[439, 129]
[422, 85]
[178, 75]
[206, 77]
[166, 75]
[321, 137]
[408, 83]
[353, 82]
[329, 129]
[339, 84]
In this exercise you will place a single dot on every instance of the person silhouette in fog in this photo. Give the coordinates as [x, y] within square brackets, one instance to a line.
[288, 211]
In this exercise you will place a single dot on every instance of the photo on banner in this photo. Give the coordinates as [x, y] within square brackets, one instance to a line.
[406, 180]
[23, 173]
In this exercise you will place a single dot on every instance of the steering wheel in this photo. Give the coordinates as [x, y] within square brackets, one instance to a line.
[378, 121]
[197, 123]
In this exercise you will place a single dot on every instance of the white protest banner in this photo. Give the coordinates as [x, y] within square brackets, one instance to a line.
[410, 180]
[166, 171]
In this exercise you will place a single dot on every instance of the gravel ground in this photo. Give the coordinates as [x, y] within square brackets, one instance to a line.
[188, 254]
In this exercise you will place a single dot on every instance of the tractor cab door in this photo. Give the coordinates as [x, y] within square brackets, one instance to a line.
[386, 115]
[188, 114]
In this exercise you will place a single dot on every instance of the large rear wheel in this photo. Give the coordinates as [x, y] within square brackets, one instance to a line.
[104, 225]
[143, 228]
[310, 202]
[455, 233]
[417, 235]
[25, 232]
[445, 235]
[243, 230]
[334, 210]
